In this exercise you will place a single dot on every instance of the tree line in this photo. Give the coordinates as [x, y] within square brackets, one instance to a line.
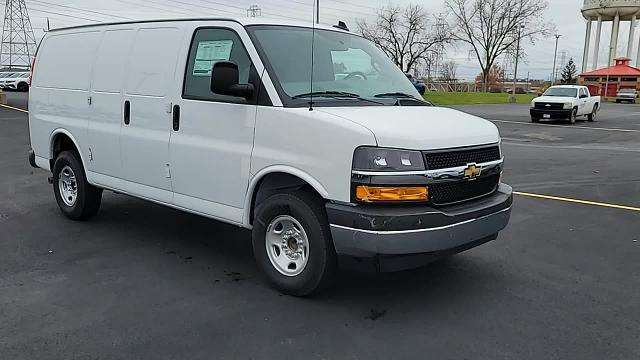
[411, 36]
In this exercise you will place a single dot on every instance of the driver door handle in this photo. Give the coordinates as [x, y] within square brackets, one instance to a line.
[176, 117]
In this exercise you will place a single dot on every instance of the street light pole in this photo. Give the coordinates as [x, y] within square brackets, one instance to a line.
[515, 71]
[555, 58]
[317, 11]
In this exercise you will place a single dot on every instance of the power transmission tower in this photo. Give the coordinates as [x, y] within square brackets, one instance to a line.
[18, 42]
[563, 58]
[254, 11]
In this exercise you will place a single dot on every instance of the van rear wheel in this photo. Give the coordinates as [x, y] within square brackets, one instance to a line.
[292, 243]
[76, 198]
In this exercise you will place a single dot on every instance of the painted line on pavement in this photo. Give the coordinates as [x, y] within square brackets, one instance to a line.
[566, 126]
[14, 108]
[578, 201]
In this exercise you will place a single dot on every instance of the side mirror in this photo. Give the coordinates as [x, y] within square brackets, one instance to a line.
[583, 96]
[225, 80]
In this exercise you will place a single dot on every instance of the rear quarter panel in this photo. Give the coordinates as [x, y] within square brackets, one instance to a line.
[58, 98]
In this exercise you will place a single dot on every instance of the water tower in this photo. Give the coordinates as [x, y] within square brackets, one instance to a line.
[600, 11]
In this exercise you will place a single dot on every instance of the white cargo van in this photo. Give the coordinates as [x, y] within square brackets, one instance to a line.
[223, 118]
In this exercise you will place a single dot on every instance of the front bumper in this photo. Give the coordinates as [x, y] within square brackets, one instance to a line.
[391, 231]
[553, 114]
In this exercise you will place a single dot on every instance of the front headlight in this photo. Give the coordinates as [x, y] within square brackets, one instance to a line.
[533, 104]
[568, 106]
[388, 160]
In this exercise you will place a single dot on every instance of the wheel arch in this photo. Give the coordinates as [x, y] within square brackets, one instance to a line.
[270, 180]
[61, 140]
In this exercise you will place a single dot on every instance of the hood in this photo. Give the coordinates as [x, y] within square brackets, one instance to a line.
[420, 127]
[554, 99]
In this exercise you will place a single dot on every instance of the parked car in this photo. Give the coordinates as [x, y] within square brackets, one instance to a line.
[17, 81]
[565, 102]
[419, 85]
[219, 118]
[6, 75]
[627, 95]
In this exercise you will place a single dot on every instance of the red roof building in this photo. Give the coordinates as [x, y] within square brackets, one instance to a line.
[620, 76]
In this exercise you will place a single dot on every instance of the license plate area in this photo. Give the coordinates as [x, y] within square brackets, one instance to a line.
[546, 116]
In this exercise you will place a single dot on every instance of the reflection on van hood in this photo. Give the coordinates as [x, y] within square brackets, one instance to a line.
[420, 127]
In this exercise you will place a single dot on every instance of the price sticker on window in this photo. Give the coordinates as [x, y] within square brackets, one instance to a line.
[210, 52]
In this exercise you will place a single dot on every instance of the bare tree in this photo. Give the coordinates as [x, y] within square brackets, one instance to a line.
[491, 27]
[405, 34]
[448, 71]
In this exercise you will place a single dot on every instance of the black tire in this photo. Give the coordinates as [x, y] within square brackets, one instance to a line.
[88, 198]
[574, 116]
[592, 117]
[309, 211]
[617, 101]
[23, 87]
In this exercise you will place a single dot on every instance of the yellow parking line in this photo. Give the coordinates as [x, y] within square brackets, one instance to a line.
[14, 108]
[578, 201]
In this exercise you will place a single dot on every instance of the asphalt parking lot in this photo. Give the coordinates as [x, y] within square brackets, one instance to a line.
[144, 281]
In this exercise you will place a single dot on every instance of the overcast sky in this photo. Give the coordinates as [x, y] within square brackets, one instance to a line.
[564, 13]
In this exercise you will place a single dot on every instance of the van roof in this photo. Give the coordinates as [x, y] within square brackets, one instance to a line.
[246, 21]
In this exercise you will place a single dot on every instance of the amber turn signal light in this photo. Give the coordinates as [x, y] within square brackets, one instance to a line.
[378, 193]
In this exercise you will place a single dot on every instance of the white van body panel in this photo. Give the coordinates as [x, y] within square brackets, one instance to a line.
[421, 128]
[214, 163]
[297, 138]
[145, 140]
[59, 97]
[109, 75]
[216, 138]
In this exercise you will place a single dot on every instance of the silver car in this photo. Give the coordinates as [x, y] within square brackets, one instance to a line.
[629, 95]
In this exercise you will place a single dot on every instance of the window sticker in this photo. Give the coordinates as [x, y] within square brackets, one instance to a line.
[210, 52]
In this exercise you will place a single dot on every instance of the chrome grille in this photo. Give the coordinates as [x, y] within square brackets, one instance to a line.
[549, 106]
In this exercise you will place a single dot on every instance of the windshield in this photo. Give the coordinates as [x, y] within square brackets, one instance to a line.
[343, 63]
[627, 91]
[565, 92]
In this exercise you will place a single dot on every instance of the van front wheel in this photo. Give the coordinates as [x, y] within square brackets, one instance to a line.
[292, 243]
[76, 198]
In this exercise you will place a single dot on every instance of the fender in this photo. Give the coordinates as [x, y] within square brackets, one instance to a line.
[255, 180]
[75, 143]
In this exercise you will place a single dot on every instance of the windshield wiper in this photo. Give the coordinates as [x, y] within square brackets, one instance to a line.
[335, 95]
[397, 95]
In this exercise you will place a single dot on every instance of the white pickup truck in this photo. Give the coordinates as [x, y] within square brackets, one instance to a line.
[565, 102]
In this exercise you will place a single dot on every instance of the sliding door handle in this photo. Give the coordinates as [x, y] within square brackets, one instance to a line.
[127, 112]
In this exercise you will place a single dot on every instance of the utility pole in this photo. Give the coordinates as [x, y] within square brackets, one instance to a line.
[555, 58]
[515, 71]
[317, 11]
[254, 11]
[18, 42]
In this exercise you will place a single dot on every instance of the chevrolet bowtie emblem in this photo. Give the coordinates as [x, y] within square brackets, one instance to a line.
[472, 171]
[548, 105]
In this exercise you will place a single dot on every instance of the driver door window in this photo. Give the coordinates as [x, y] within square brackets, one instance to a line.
[208, 47]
